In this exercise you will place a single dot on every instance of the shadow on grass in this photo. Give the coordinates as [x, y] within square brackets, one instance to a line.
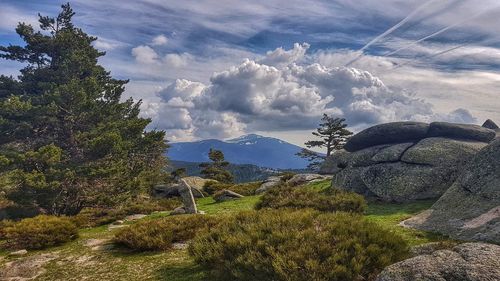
[385, 208]
[186, 271]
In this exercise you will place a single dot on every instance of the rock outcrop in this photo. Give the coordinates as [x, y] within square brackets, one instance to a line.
[172, 189]
[465, 262]
[298, 179]
[225, 195]
[406, 161]
[470, 208]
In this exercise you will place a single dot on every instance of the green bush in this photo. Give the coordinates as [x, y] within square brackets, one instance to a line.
[92, 217]
[3, 225]
[246, 189]
[296, 245]
[299, 198]
[40, 232]
[160, 234]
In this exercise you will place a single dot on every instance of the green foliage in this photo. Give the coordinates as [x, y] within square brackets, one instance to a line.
[333, 135]
[246, 189]
[296, 245]
[160, 234]
[92, 217]
[40, 232]
[217, 169]
[300, 198]
[67, 140]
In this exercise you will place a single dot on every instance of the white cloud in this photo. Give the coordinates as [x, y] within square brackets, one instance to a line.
[280, 56]
[177, 60]
[159, 40]
[145, 54]
[253, 96]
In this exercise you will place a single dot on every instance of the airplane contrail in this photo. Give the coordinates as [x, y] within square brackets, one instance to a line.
[433, 55]
[437, 32]
[390, 30]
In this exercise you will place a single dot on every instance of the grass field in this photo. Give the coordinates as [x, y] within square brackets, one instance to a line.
[93, 257]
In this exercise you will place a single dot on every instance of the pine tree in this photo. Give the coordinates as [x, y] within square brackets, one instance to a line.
[67, 141]
[333, 134]
[217, 169]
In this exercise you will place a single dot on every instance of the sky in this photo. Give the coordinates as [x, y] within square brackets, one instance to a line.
[220, 68]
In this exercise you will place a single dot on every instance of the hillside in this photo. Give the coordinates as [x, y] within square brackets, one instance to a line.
[248, 149]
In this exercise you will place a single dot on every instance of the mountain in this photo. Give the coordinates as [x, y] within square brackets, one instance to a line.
[248, 149]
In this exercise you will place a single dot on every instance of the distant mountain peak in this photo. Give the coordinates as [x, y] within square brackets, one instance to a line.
[245, 138]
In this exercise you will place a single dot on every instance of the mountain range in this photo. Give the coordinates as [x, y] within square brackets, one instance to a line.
[248, 149]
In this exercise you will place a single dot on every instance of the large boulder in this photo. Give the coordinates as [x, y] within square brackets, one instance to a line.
[172, 189]
[470, 208]
[465, 262]
[490, 125]
[415, 161]
[396, 132]
[225, 195]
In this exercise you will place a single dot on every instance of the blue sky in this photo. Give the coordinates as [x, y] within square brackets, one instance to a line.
[217, 69]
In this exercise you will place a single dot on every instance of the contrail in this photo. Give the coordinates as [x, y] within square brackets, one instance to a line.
[433, 55]
[437, 33]
[390, 30]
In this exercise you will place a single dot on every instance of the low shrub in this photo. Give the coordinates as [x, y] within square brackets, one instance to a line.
[93, 217]
[40, 232]
[299, 198]
[296, 245]
[160, 234]
[3, 225]
[246, 189]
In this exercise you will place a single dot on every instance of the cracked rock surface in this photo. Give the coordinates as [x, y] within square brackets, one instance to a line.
[406, 161]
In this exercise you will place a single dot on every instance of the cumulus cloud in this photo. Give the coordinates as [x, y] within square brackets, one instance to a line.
[159, 40]
[177, 60]
[145, 54]
[287, 95]
[280, 56]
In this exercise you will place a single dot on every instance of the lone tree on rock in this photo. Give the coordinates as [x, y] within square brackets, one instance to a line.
[216, 169]
[333, 134]
[67, 141]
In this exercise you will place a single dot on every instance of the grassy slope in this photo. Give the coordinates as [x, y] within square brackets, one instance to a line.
[77, 261]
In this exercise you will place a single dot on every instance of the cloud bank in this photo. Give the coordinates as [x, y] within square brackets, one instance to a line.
[284, 90]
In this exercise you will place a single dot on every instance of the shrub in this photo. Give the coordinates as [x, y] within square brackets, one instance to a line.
[40, 232]
[246, 189]
[160, 234]
[3, 225]
[92, 217]
[296, 245]
[299, 198]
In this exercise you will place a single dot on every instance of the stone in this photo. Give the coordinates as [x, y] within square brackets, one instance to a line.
[423, 168]
[300, 179]
[187, 197]
[489, 124]
[172, 190]
[268, 184]
[18, 253]
[178, 211]
[388, 133]
[461, 131]
[465, 262]
[26, 268]
[470, 208]
[134, 217]
[225, 195]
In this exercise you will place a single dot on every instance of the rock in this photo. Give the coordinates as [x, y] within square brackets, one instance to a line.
[225, 195]
[268, 184]
[187, 197]
[134, 217]
[197, 182]
[172, 190]
[300, 179]
[18, 253]
[465, 262]
[423, 168]
[461, 131]
[178, 211]
[396, 132]
[489, 124]
[470, 208]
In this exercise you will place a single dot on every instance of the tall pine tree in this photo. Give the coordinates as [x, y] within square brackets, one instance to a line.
[67, 141]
